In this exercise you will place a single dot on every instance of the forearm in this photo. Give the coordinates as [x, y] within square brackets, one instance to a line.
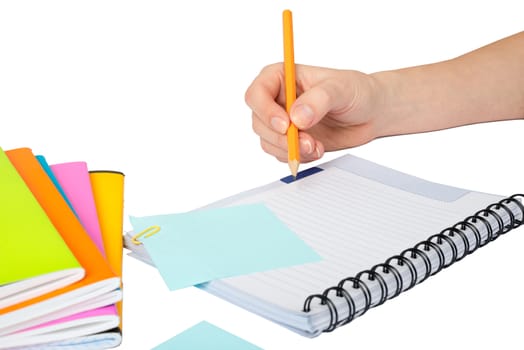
[484, 85]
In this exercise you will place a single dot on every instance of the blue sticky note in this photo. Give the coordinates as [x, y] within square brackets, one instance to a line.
[205, 336]
[203, 245]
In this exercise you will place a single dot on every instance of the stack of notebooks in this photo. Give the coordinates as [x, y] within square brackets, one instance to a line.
[61, 254]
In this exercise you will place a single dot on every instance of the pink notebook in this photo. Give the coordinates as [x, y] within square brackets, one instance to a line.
[74, 180]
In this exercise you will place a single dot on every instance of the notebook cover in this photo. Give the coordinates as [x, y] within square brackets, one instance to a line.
[108, 193]
[35, 240]
[101, 311]
[43, 162]
[73, 178]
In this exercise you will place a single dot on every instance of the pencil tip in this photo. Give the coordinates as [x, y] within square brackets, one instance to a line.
[293, 166]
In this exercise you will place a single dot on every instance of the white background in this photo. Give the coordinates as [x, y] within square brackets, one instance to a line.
[155, 89]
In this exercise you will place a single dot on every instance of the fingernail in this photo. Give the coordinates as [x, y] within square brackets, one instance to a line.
[279, 125]
[306, 146]
[317, 152]
[302, 116]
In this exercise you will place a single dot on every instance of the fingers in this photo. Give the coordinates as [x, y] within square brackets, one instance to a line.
[264, 95]
[269, 135]
[270, 120]
[281, 154]
[275, 143]
[310, 149]
[312, 106]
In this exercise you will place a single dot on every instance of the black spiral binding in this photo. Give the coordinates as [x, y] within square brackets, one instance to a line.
[420, 250]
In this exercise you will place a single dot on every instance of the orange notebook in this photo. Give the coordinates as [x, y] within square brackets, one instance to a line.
[98, 288]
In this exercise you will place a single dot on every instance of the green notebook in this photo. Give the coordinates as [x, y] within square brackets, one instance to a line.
[34, 259]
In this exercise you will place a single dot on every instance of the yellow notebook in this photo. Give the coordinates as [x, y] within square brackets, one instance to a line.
[108, 192]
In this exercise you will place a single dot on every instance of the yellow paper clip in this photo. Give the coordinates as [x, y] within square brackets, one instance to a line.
[148, 232]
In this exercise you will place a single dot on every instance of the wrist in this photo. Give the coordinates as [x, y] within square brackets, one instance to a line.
[395, 107]
[380, 97]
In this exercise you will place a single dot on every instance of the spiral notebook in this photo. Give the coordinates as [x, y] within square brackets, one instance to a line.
[380, 232]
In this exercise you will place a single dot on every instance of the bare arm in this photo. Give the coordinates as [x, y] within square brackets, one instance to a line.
[483, 85]
[338, 109]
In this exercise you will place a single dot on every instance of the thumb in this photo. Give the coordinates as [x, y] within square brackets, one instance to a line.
[310, 107]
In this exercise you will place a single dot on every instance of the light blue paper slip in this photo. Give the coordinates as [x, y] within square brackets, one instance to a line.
[205, 336]
[200, 246]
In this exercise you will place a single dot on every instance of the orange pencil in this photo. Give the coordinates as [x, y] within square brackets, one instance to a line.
[291, 93]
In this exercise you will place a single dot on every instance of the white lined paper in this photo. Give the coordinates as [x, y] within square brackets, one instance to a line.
[351, 221]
